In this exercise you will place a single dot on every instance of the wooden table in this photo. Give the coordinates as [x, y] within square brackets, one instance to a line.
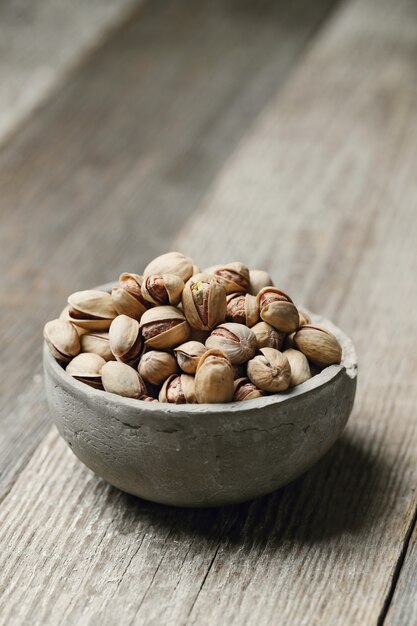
[280, 134]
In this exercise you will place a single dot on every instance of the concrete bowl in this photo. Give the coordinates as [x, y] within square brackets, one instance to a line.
[204, 455]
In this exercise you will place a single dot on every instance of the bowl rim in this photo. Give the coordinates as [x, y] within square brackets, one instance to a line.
[328, 375]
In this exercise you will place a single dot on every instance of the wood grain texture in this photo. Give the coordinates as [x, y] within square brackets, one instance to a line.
[104, 176]
[40, 40]
[322, 192]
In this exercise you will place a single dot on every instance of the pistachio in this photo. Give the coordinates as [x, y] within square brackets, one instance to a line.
[98, 343]
[267, 336]
[300, 368]
[236, 341]
[123, 380]
[303, 318]
[244, 389]
[204, 302]
[156, 366]
[164, 327]
[125, 339]
[318, 344]
[162, 289]
[171, 263]
[188, 355]
[91, 309]
[62, 339]
[258, 280]
[127, 296]
[278, 309]
[86, 367]
[242, 308]
[178, 389]
[270, 370]
[214, 378]
[233, 276]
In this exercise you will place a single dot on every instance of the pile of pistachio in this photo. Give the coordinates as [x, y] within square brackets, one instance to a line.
[176, 334]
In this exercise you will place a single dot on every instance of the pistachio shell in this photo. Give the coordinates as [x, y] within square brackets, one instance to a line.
[236, 341]
[242, 308]
[125, 339]
[156, 366]
[303, 318]
[258, 280]
[318, 344]
[91, 309]
[162, 289]
[86, 367]
[164, 327]
[188, 355]
[127, 296]
[178, 389]
[244, 389]
[278, 309]
[270, 370]
[233, 276]
[267, 336]
[214, 378]
[98, 343]
[300, 368]
[62, 339]
[123, 380]
[171, 263]
[204, 302]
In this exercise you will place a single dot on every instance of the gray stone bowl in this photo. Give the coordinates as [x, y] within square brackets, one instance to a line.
[204, 455]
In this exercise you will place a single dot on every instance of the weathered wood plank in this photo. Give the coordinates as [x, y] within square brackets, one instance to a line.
[105, 175]
[403, 608]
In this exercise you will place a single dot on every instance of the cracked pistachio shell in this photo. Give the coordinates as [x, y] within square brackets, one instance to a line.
[188, 355]
[91, 309]
[98, 343]
[163, 289]
[62, 339]
[171, 263]
[127, 296]
[236, 341]
[125, 339]
[318, 344]
[155, 366]
[244, 389]
[122, 379]
[164, 327]
[267, 336]
[178, 389]
[258, 280]
[300, 368]
[278, 309]
[303, 318]
[214, 378]
[242, 308]
[270, 370]
[86, 367]
[204, 302]
[233, 276]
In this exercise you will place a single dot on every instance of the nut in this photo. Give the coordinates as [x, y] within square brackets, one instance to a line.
[188, 355]
[204, 302]
[236, 341]
[300, 368]
[127, 296]
[258, 280]
[214, 378]
[178, 389]
[245, 390]
[91, 309]
[62, 339]
[164, 327]
[98, 343]
[233, 276]
[267, 336]
[303, 318]
[278, 309]
[123, 380]
[319, 345]
[171, 263]
[270, 370]
[242, 308]
[86, 367]
[125, 339]
[156, 366]
[162, 289]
